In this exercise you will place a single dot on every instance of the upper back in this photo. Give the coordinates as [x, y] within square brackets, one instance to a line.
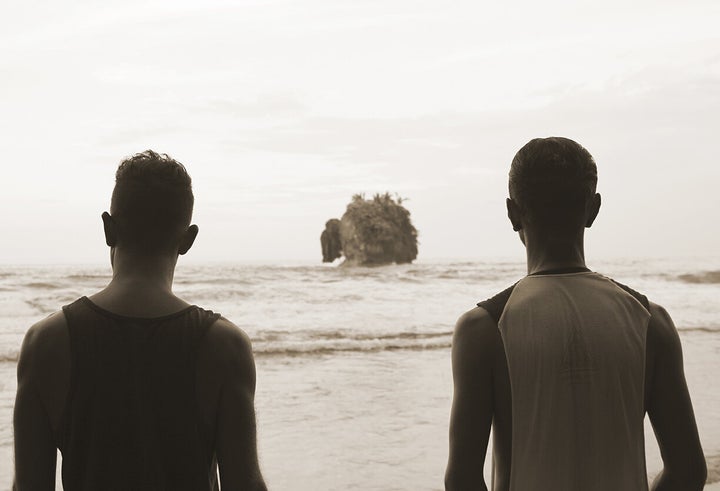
[573, 322]
[131, 420]
[575, 347]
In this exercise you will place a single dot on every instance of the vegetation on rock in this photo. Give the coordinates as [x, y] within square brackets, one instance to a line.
[372, 232]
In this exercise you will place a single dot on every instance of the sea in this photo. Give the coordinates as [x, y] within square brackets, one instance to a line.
[353, 364]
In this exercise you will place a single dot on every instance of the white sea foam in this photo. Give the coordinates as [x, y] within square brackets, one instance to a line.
[312, 309]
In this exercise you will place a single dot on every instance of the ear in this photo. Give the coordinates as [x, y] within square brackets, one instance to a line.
[513, 211]
[110, 228]
[594, 209]
[188, 239]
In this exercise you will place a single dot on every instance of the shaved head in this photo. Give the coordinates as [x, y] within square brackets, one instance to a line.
[551, 180]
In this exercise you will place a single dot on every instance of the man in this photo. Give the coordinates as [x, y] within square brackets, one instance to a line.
[565, 363]
[137, 388]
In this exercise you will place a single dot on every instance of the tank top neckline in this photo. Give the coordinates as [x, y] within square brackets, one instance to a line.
[113, 315]
[561, 271]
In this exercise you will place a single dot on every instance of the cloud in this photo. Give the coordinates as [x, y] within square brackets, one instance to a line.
[278, 105]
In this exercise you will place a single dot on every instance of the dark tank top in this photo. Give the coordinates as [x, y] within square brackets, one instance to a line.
[131, 421]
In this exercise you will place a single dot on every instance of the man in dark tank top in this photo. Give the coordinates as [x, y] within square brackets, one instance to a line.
[138, 389]
[565, 364]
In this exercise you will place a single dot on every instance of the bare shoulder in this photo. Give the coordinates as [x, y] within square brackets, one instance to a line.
[42, 370]
[475, 328]
[44, 365]
[232, 416]
[475, 344]
[227, 350]
[46, 343]
[228, 339]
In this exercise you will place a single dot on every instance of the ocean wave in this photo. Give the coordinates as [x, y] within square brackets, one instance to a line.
[400, 335]
[42, 307]
[214, 295]
[310, 336]
[89, 276]
[408, 279]
[328, 350]
[9, 357]
[308, 343]
[43, 285]
[699, 329]
[217, 281]
[312, 349]
[701, 277]
[277, 343]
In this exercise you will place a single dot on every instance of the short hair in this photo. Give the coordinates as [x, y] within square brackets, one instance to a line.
[152, 202]
[552, 179]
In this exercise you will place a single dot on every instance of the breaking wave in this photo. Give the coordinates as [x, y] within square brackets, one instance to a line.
[701, 277]
[289, 344]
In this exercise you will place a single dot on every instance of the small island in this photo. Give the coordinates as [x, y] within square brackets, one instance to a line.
[372, 232]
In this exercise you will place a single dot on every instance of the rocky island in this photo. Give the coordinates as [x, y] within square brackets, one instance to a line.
[371, 232]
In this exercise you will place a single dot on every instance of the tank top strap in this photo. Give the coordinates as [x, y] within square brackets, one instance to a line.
[496, 304]
[638, 296]
[78, 318]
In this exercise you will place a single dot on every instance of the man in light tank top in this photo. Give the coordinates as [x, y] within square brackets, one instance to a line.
[565, 363]
[137, 388]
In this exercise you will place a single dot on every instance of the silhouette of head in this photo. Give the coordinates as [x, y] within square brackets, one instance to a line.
[552, 186]
[151, 206]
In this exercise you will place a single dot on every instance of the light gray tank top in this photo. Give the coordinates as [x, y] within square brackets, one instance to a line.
[575, 348]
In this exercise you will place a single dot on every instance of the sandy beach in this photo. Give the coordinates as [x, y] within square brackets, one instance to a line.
[713, 479]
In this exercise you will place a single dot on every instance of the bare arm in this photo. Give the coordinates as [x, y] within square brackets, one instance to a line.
[670, 409]
[236, 437]
[474, 344]
[41, 370]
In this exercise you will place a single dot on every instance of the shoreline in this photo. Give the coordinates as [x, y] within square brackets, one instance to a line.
[713, 471]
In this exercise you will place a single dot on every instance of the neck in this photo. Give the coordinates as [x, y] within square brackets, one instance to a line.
[554, 251]
[135, 272]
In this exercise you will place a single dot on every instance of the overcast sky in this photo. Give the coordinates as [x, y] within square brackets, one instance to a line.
[281, 110]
